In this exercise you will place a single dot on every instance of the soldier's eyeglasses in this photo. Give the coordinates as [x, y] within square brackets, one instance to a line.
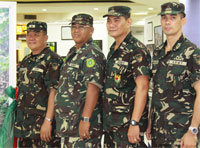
[80, 27]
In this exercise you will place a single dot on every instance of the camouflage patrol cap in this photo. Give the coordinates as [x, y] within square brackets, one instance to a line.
[118, 11]
[172, 8]
[83, 19]
[37, 26]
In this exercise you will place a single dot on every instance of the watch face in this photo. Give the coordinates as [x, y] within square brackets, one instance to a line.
[195, 130]
[133, 122]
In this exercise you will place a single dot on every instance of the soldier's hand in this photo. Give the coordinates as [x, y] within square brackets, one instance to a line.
[84, 128]
[134, 134]
[45, 131]
[189, 140]
[148, 131]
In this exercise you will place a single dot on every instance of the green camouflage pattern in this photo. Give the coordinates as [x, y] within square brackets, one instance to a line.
[124, 65]
[119, 140]
[118, 11]
[38, 143]
[76, 142]
[37, 26]
[83, 19]
[172, 8]
[173, 95]
[36, 75]
[82, 66]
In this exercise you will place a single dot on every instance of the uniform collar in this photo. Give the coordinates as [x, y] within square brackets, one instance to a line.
[178, 43]
[124, 43]
[73, 50]
[84, 46]
[40, 55]
[121, 46]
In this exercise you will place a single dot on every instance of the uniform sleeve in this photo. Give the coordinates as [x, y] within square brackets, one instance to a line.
[140, 63]
[195, 68]
[53, 72]
[93, 69]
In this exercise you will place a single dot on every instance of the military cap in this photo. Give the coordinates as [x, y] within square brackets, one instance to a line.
[118, 11]
[172, 8]
[37, 26]
[83, 19]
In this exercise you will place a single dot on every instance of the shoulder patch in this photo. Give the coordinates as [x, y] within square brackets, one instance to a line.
[139, 58]
[90, 62]
[197, 59]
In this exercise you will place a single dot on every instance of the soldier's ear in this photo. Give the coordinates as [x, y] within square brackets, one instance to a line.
[129, 20]
[46, 37]
[92, 29]
[183, 21]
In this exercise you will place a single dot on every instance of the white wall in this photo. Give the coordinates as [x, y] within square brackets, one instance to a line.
[63, 46]
[155, 19]
[100, 33]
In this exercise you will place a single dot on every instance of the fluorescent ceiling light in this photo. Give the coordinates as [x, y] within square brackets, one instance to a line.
[96, 9]
[141, 13]
[150, 8]
[140, 23]
[44, 9]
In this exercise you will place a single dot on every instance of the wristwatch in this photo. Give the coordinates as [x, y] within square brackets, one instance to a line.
[194, 130]
[85, 119]
[134, 123]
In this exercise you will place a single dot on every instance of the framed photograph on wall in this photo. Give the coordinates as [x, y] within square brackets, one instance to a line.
[66, 33]
[158, 35]
[150, 31]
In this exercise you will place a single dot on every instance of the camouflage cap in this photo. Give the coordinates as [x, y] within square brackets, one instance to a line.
[37, 26]
[118, 11]
[172, 8]
[83, 19]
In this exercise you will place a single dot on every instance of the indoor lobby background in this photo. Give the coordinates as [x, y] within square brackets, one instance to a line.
[146, 23]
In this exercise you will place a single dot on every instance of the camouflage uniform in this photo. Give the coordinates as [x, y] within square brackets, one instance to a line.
[36, 75]
[130, 60]
[173, 94]
[82, 66]
[173, 97]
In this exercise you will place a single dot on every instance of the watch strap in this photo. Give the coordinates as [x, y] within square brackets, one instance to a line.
[85, 119]
[134, 123]
[194, 130]
[48, 119]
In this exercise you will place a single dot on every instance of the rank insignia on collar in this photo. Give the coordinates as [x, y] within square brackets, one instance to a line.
[90, 62]
[117, 78]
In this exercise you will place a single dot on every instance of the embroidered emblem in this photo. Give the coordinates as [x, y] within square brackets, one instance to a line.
[117, 78]
[197, 59]
[139, 58]
[90, 62]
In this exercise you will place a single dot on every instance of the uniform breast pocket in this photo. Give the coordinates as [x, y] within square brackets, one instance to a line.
[120, 75]
[75, 74]
[37, 75]
[177, 74]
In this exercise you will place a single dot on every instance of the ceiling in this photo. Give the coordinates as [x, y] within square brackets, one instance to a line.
[63, 10]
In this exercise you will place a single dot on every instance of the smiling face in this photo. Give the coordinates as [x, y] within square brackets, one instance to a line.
[172, 24]
[118, 26]
[81, 33]
[36, 41]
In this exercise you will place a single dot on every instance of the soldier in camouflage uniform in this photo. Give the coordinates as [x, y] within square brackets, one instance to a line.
[176, 78]
[126, 87]
[37, 81]
[78, 104]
